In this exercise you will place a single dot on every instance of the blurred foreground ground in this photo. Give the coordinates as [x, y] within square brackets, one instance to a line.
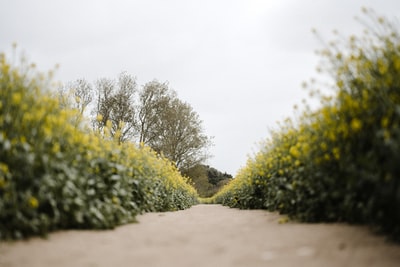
[206, 235]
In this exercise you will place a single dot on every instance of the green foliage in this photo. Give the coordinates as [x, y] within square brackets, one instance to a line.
[170, 126]
[215, 176]
[207, 180]
[54, 175]
[340, 162]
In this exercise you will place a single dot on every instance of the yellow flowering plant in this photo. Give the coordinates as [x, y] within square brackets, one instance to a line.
[56, 174]
[340, 161]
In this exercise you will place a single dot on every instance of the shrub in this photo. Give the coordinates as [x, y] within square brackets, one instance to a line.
[55, 174]
[339, 162]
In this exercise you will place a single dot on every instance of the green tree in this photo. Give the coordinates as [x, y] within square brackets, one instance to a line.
[207, 180]
[153, 100]
[171, 126]
[199, 179]
[181, 137]
[215, 176]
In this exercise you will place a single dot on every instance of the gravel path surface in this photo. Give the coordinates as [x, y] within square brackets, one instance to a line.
[206, 235]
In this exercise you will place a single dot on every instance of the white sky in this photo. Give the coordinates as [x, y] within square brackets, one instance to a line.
[239, 63]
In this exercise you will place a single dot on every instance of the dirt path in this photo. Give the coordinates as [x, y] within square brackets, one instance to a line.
[206, 235]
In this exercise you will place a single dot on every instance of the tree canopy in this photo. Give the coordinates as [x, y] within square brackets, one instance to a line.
[206, 179]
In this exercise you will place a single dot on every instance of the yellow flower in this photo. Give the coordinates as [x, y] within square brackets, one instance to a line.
[47, 131]
[397, 63]
[115, 200]
[16, 98]
[283, 220]
[22, 139]
[356, 125]
[324, 146]
[56, 148]
[33, 202]
[332, 136]
[99, 117]
[3, 167]
[336, 153]
[2, 183]
[294, 152]
[382, 66]
[340, 84]
[385, 122]
[306, 148]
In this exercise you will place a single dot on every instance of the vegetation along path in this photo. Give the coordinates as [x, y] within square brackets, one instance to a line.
[207, 235]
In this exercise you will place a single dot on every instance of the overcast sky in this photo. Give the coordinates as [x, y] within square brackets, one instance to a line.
[240, 64]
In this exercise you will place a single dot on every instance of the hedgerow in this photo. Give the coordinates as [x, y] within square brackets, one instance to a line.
[55, 174]
[341, 161]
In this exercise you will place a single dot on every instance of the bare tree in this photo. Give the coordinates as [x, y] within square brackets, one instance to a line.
[104, 90]
[115, 105]
[83, 94]
[76, 95]
[153, 116]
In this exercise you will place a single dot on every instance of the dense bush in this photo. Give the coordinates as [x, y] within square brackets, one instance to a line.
[54, 174]
[340, 162]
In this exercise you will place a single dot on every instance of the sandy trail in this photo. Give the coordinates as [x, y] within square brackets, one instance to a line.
[206, 235]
